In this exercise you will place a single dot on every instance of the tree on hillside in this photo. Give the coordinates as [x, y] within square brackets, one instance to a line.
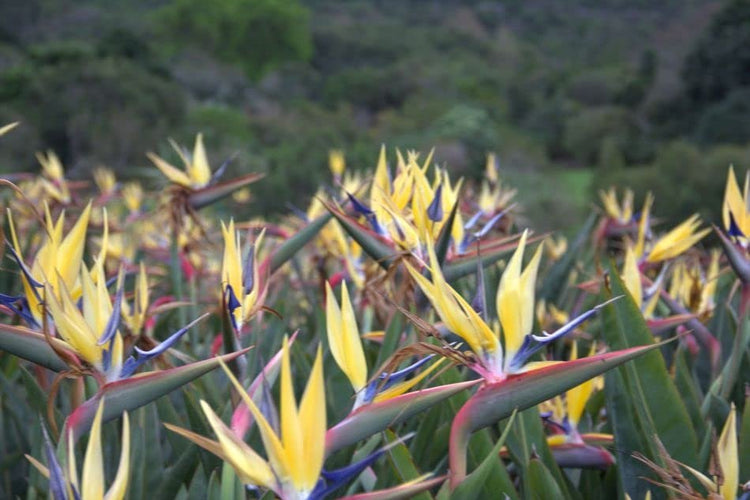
[720, 61]
[257, 35]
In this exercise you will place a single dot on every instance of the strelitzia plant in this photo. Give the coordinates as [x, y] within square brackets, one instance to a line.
[734, 237]
[64, 484]
[57, 262]
[53, 179]
[197, 172]
[346, 347]
[296, 451]
[197, 186]
[295, 454]
[505, 369]
[495, 360]
[669, 246]
[243, 288]
[91, 329]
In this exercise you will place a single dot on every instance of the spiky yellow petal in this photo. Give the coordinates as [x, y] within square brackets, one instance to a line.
[93, 469]
[120, 484]
[343, 338]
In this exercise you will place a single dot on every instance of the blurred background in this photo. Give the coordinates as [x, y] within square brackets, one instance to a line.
[573, 96]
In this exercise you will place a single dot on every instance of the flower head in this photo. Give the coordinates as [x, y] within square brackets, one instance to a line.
[241, 284]
[53, 177]
[295, 454]
[65, 485]
[197, 172]
[346, 347]
[515, 307]
[58, 261]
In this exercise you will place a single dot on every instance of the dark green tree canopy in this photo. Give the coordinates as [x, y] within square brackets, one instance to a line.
[720, 61]
[257, 35]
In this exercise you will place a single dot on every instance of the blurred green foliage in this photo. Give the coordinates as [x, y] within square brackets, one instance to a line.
[256, 35]
[612, 87]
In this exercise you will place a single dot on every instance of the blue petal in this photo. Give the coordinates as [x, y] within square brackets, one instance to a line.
[435, 210]
[26, 272]
[110, 330]
[222, 168]
[57, 482]
[19, 305]
[363, 209]
[532, 343]
[474, 218]
[298, 212]
[734, 229]
[331, 480]
[488, 226]
[359, 206]
[479, 303]
[386, 380]
[132, 363]
[232, 304]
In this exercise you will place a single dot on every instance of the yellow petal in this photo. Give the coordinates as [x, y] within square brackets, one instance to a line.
[678, 240]
[508, 301]
[312, 417]
[576, 398]
[343, 338]
[728, 456]
[250, 467]
[734, 203]
[172, 173]
[402, 387]
[120, 484]
[199, 172]
[274, 448]
[632, 276]
[291, 427]
[70, 253]
[93, 470]
[643, 225]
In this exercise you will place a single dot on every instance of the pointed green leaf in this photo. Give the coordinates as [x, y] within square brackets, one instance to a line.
[132, 393]
[292, 245]
[629, 437]
[372, 418]
[541, 483]
[32, 346]
[663, 407]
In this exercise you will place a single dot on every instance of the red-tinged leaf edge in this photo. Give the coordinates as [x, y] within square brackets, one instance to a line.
[33, 346]
[374, 417]
[139, 390]
[496, 401]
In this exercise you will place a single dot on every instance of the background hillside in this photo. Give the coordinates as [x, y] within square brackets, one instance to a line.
[572, 95]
